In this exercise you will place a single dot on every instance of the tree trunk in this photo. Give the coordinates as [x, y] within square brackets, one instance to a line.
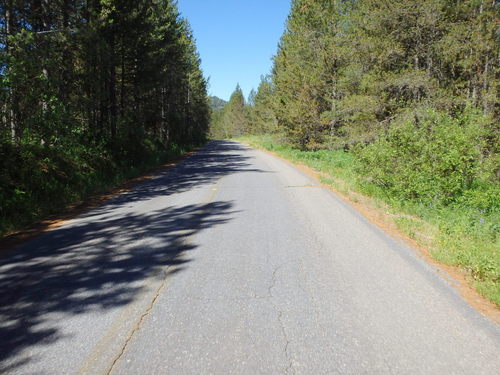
[45, 26]
[9, 23]
[486, 105]
[112, 84]
[122, 79]
[66, 55]
[332, 121]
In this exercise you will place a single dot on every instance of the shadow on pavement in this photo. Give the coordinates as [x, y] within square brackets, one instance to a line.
[100, 262]
[217, 159]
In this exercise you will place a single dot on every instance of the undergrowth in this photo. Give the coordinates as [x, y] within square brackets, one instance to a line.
[36, 180]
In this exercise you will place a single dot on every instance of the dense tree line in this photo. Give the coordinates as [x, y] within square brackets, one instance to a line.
[106, 69]
[410, 86]
[86, 83]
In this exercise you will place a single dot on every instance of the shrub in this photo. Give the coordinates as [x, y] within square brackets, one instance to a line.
[434, 159]
[37, 180]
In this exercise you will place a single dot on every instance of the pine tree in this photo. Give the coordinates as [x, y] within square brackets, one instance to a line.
[232, 121]
[261, 118]
[303, 71]
[110, 68]
[344, 71]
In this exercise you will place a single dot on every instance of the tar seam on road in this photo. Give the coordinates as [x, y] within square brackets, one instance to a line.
[138, 325]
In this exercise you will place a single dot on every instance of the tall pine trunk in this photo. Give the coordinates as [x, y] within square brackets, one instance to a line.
[9, 23]
[112, 84]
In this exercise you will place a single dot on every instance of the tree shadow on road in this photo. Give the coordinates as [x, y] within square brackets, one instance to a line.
[217, 159]
[100, 261]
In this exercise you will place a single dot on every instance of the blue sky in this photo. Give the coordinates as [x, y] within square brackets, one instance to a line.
[236, 39]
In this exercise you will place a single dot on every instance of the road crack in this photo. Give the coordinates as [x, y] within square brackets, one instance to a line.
[185, 238]
[389, 367]
[288, 356]
[141, 320]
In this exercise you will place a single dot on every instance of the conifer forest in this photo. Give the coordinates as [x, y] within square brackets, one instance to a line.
[90, 93]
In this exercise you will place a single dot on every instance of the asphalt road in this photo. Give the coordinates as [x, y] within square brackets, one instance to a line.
[232, 262]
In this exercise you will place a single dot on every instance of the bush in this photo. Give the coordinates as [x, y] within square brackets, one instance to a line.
[37, 180]
[435, 159]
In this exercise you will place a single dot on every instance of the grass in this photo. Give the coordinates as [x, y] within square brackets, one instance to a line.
[456, 235]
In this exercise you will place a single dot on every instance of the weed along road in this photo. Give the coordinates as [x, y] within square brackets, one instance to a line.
[232, 262]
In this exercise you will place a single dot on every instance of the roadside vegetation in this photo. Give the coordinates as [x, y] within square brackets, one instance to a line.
[45, 180]
[397, 101]
[91, 93]
[458, 234]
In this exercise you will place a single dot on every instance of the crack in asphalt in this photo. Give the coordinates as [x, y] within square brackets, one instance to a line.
[389, 367]
[287, 343]
[280, 318]
[184, 241]
[228, 299]
[141, 320]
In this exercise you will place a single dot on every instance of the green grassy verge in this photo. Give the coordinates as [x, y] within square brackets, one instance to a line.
[455, 235]
[37, 181]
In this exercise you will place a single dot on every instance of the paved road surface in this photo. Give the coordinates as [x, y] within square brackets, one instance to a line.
[232, 262]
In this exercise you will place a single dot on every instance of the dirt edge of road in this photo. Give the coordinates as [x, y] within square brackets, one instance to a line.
[17, 238]
[381, 219]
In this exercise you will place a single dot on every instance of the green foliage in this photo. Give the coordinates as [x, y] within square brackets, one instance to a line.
[100, 67]
[432, 158]
[302, 74]
[45, 179]
[232, 119]
[345, 70]
[89, 93]
[261, 115]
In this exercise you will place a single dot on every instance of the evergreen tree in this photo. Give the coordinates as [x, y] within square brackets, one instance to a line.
[303, 71]
[261, 118]
[345, 70]
[104, 69]
[232, 120]
[410, 87]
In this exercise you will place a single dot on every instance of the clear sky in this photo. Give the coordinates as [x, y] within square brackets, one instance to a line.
[236, 39]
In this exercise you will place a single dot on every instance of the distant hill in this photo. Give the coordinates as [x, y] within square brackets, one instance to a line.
[216, 103]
